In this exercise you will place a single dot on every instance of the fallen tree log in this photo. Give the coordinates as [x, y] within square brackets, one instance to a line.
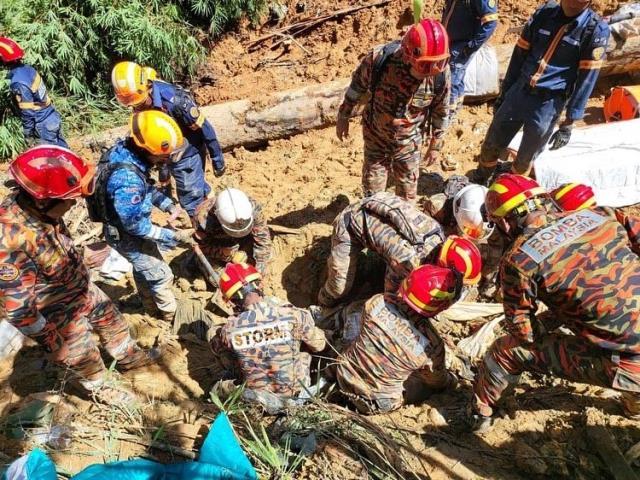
[253, 122]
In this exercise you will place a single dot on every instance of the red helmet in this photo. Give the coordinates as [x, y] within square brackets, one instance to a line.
[426, 47]
[49, 171]
[10, 51]
[235, 278]
[510, 193]
[463, 256]
[429, 289]
[574, 196]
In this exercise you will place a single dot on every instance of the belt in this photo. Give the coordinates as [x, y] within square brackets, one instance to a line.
[542, 92]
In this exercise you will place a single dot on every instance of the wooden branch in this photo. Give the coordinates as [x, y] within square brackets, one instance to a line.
[286, 230]
[306, 24]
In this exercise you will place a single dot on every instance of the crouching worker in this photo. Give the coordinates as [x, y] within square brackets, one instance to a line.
[584, 266]
[226, 220]
[124, 199]
[398, 354]
[45, 288]
[262, 343]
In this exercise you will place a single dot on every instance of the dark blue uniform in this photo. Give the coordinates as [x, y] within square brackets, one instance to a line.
[469, 24]
[189, 170]
[40, 121]
[555, 64]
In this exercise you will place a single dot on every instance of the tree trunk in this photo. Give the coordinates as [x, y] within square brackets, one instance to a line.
[283, 114]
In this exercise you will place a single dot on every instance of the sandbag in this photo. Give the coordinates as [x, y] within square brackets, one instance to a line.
[482, 76]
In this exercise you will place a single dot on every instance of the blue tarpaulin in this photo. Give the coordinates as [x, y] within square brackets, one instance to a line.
[221, 458]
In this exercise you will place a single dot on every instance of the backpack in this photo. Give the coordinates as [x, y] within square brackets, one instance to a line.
[98, 204]
[406, 219]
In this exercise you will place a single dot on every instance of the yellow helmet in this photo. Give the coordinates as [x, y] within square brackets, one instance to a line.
[131, 83]
[149, 73]
[156, 132]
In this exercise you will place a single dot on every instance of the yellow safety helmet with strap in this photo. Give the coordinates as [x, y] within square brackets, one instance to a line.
[157, 133]
[131, 83]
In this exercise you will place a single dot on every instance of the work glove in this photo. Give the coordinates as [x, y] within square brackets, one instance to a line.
[219, 172]
[342, 127]
[185, 236]
[561, 137]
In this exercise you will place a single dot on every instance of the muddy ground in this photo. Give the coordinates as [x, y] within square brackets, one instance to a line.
[302, 183]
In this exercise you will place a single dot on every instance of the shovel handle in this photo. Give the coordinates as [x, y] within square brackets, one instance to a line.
[212, 275]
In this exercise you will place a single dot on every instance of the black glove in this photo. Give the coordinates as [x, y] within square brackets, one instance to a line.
[220, 172]
[561, 137]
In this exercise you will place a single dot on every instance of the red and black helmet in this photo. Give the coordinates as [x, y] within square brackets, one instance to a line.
[10, 51]
[53, 172]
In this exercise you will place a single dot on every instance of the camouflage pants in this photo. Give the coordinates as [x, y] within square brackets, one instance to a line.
[566, 356]
[67, 337]
[382, 157]
[343, 261]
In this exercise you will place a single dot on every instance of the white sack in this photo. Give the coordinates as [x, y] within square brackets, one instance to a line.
[481, 77]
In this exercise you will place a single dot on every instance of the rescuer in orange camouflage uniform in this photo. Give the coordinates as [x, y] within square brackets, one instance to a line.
[45, 289]
[262, 343]
[384, 223]
[408, 85]
[584, 266]
[397, 341]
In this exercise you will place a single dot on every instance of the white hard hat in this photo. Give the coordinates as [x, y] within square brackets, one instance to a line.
[470, 214]
[235, 212]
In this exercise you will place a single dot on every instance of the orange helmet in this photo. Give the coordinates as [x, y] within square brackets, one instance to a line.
[463, 256]
[574, 196]
[10, 51]
[512, 193]
[429, 289]
[49, 171]
[237, 280]
[426, 47]
[131, 83]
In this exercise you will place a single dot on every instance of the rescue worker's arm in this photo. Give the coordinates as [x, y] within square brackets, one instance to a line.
[128, 192]
[190, 115]
[519, 301]
[488, 13]
[22, 96]
[17, 290]
[224, 353]
[440, 110]
[312, 336]
[520, 52]
[632, 225]
[160, 200]
[359, 86]
[261, 239]
[591, 59]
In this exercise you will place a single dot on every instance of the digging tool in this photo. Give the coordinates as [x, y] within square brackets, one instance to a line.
[213, 278]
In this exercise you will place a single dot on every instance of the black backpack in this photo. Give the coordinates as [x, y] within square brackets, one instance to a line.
[99, 205]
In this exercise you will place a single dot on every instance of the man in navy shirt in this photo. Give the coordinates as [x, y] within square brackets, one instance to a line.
[469, 24]
[554, 67]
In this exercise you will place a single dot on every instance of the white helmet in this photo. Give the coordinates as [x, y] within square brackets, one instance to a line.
[235, 212]
[470, 213]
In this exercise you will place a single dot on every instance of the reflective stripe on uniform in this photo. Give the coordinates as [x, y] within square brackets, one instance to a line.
[523, 44]
[590, 64]
[34, 105]
[449, 13]
[491, 17]
[547, 55]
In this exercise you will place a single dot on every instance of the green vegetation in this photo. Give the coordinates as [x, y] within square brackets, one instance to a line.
[74, 45]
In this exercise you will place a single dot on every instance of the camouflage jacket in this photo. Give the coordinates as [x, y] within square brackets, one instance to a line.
[42, 275]
[263, 343]
[582, 265]
[394, 229]
[210, 233]
[401, 106]
[394, 342]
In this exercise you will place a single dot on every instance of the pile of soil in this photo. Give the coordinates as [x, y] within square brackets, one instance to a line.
[302, 183]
